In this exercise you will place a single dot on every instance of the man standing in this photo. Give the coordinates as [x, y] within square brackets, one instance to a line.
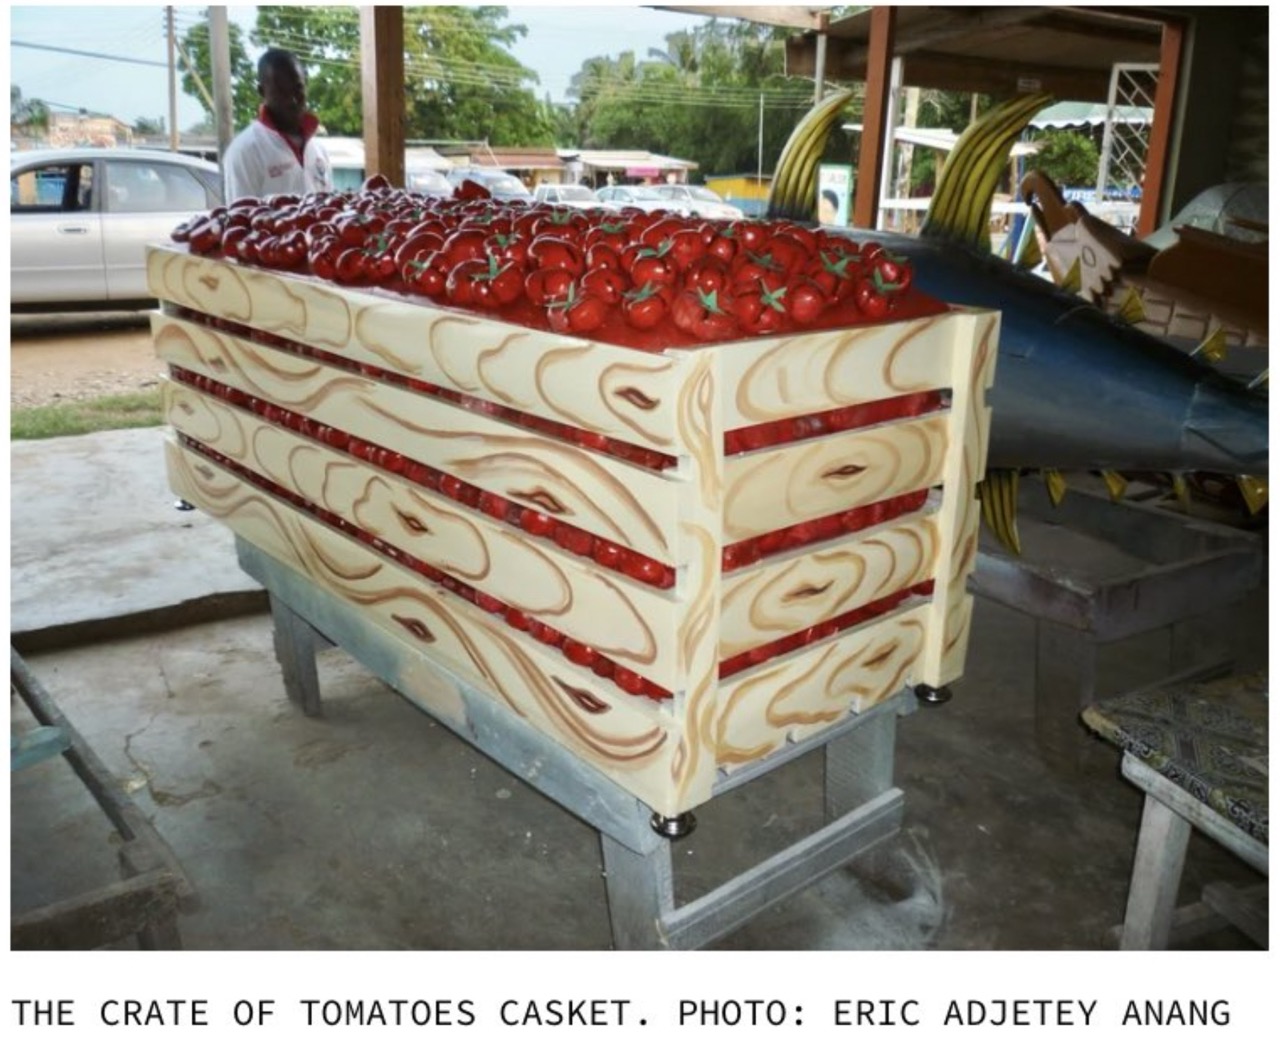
[278, 152]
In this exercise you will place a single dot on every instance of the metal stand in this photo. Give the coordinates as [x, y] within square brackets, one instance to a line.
[1094, 572]
[862, 807]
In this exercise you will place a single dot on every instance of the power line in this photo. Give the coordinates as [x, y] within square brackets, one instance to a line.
[88, 54]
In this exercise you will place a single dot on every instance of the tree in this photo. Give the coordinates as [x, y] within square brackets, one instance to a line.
[244, 75]
[28, 116]
[149, 126]
[1068, 157]
[700, 98]
[461, 83]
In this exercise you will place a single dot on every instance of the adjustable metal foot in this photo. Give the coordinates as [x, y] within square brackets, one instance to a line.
[183, 506]
[675, 827]
[933, 695]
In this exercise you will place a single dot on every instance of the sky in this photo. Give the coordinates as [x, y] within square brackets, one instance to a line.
[559, 40]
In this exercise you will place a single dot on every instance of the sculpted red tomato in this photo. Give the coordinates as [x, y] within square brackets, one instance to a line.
[577, 313]
[464, 245]
[760, 311]
[544, 286]
[871, 299]
[805, 301]
[835, 271]
[705, 316]
[555, 252]
[606, 284]
[645, 307]
[707, 274]
[686, 247]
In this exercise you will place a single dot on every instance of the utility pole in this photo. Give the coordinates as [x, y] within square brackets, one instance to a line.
[220, 53]
[173, 81]
[760, 145]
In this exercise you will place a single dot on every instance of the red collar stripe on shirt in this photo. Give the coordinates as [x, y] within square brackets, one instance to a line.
[310, 124]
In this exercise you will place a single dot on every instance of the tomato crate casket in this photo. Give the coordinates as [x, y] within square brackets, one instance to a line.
[555, 521]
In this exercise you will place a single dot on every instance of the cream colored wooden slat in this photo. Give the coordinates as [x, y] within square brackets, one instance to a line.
[623, 393]
[974, 362]
[615, 500]
[633, 741]
[770, 600]
[795, 696]
[698, 585]
[629, 622]
[770, 489]
[818, 371]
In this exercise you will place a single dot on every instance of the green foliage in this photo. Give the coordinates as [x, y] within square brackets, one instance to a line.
[700, 99]
[461, 82]
[77, 417]
[244, 75]
[27, 114]
[1068, 157]
[149, 125]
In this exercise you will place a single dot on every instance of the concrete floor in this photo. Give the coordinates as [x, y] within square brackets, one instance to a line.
[374, 828]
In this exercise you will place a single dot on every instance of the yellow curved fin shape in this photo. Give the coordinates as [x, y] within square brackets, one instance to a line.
[1182, 490]
[998, 493]
[1213, 348]
[1131, 309]
[960, 209]
[1116, 484]
[1072, 282]
[1254, 490]
[1055, 485]
[793, 193]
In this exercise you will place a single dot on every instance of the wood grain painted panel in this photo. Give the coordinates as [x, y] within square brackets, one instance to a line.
[783, 596]
[620, 392]
[770, 489]
[793, 697]
[631, 740]
[631, 623]
[821, 370]
[615, 500]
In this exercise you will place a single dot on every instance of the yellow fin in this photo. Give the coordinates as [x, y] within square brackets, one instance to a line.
[1055, 485]
[1182, 490]
[1030, 255]
[1131, 310]
[998, 493]
[1254, 489]
[1116, 484]
[1213, 348]
[1072, 282]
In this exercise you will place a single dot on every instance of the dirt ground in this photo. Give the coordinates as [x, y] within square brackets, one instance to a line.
[53, 359]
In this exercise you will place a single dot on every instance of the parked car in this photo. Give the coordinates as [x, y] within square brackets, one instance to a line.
[696, 200]
[80, 219]
[429, 181]
[503, 185]
[571, 196]
[641, 196]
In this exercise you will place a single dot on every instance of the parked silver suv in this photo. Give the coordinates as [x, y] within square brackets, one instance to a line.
[80, 219]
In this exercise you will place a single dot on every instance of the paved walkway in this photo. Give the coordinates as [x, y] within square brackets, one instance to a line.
[97, 550]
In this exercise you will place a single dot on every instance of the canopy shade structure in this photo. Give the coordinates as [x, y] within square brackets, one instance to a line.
[1001, 51]
[943, 138]
[1088, 114]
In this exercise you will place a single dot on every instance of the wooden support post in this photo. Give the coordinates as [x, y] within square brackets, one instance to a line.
[382, 88]
[1153, 179]
[296, 643]
[875, 107]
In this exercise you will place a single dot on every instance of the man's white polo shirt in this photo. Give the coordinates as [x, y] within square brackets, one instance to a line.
[260, 161]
